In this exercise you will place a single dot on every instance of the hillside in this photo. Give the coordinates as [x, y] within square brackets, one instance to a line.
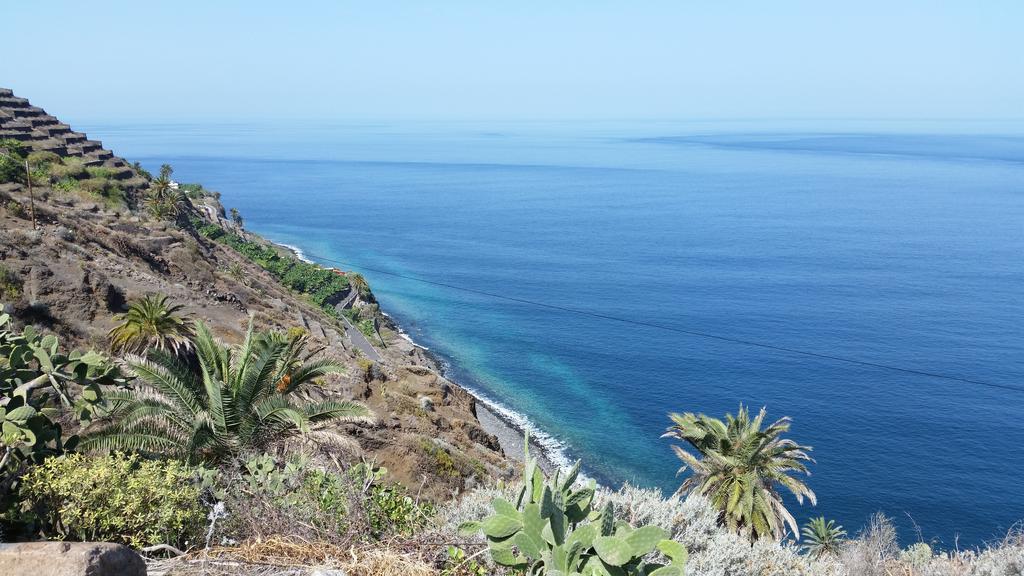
[96, 248]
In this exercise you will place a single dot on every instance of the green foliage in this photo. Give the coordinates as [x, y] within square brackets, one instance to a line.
[151, 322]
[66, 185]
[164, 202]
[113, 498]
[443, 462]
[741, 467]
[70, 167]
[822, 537]
[12, 155]
[43, 159]
[16, 209]
[103, 189]
[33, 373]
[316, 281]
[917, 555]
[99, 172]
[235, 399]
[456, 563]
[193, 190]
[554, 530]
[10, 284]
[389, 508]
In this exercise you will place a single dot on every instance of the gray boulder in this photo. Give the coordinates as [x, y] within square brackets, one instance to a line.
[70, 559]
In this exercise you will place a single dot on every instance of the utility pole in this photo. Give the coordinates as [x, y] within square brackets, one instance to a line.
[28, 180]
[31, 196]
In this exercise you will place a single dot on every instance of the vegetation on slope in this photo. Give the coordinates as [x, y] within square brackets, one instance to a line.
[319, 283]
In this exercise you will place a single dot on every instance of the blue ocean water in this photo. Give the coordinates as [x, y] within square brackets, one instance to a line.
[899, 245]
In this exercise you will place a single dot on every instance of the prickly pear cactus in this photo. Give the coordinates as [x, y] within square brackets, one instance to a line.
[32, 370]
[553, 530]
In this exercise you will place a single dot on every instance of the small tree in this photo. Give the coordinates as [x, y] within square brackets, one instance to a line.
[151, 322]
[822, 537]
[236, 217]
[741, 468]
[241, 398]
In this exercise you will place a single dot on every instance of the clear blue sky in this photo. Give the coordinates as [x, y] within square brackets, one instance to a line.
[681, 59]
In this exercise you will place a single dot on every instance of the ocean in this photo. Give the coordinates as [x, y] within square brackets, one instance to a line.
[889, 243]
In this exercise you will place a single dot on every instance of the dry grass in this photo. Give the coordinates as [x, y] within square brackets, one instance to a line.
[293, 556]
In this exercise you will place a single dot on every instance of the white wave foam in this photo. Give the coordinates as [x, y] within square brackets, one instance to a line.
[297, 251]
[552, 448]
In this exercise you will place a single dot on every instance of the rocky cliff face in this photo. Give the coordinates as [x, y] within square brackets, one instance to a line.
[87, 259]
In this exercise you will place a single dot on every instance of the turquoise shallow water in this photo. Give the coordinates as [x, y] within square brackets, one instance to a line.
[898, 246]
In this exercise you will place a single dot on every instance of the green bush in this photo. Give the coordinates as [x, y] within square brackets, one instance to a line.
[115, 499]
[389, 508]
[100, 172]
[265, 496]
[43, 158]
[66, 185]
[10, 284]
[11, 167]
[69, 167]
[16, 209]
[319, 283]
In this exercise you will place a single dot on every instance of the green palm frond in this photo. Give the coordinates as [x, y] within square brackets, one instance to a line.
[234, 399]
[151, 322]
[739, 465]
[822, 537]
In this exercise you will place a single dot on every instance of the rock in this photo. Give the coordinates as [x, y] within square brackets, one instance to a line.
[64, 234]
[69, 559]
[482, 437]
[426, 403]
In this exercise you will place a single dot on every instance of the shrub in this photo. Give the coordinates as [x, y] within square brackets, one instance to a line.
[94, 185]
[101, 172]
[296, 499]
[248, 396]
[43, 158]
[16, 209]
[291, 498]
[114, 498]
[69, 167]
[66, 185]
[388, 507]
[11, 167]
[10, 284]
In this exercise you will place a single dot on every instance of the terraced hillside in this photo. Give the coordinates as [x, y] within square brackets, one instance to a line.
[38, 131]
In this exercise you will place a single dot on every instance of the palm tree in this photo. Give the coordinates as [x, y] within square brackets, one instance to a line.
[822, 537]
[740, 469]
[161, 186]
[164, 201]
[241, 398]
[151, 323]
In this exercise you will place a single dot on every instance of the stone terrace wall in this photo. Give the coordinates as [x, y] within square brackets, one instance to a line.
[39, 131]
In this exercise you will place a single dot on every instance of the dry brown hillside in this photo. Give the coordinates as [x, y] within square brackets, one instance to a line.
[92, 253]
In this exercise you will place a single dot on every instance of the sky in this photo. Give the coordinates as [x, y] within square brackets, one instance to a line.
[596, 59]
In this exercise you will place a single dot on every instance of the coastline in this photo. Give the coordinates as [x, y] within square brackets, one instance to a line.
[507, 425]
